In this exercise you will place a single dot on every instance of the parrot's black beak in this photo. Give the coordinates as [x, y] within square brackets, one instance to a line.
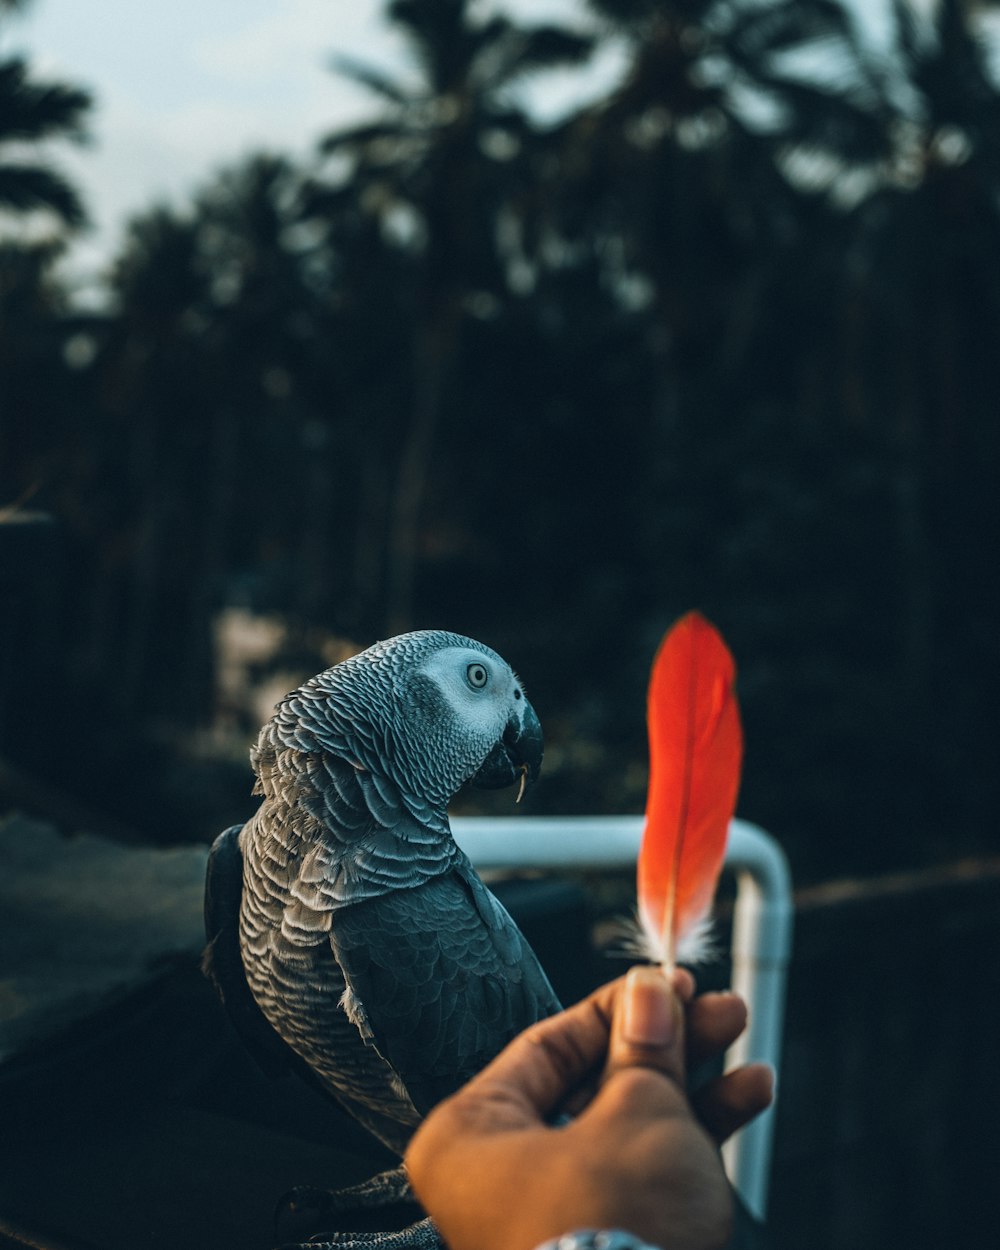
[518, 754]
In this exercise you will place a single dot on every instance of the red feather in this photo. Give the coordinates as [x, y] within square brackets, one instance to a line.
[695, 753]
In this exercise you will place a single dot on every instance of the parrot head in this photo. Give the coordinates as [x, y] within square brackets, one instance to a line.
[470, 693]
[430, 711]
[456, 713]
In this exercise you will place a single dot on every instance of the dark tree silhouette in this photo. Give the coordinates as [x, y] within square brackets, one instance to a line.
[32, 111]
[207, 375]
[34, 320]
[722, 338]
[439, 173]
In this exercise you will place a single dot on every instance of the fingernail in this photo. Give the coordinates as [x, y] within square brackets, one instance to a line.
[648, 1018]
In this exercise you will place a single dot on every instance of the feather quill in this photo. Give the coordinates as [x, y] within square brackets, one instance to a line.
[695, 754]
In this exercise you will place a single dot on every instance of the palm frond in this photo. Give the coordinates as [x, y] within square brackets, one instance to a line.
[761, 31]
[370, 76]
[28, 188]
[357, 138]
[538, 48]
[31, 110]
[850, 128]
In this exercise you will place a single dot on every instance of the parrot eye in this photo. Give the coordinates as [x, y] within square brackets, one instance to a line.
[476, 676]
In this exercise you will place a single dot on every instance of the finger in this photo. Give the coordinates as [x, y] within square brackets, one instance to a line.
[547, 1062]
[681, 981]
[648, 1026]
[714, 1022]
[729, 1102]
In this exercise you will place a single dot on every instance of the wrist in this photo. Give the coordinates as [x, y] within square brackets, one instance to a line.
[597, 1239]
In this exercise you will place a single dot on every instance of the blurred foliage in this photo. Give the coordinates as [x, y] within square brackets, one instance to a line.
[32, 112]
[724, 338]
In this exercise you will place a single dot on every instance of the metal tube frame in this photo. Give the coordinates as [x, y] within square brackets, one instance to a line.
[761, 944]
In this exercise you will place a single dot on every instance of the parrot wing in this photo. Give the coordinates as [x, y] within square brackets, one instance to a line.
[222, 962]
[439, 979]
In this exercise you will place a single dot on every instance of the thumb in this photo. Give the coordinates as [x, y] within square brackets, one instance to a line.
[648, 1025]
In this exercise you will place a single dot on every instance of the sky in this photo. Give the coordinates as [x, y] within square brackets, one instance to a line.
[184, 87]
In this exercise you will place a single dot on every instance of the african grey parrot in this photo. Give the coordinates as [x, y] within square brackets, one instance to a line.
[342, 917]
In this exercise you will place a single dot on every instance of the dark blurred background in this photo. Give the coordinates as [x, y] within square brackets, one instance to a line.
[727, 338]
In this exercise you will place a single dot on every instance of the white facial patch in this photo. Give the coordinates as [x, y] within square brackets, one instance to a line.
[458, 673]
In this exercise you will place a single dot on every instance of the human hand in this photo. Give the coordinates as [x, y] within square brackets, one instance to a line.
[494, 1174]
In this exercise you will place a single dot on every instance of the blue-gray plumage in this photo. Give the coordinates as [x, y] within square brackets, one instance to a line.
[343, 920]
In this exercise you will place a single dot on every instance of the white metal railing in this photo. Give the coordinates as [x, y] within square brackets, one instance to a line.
[761, 945]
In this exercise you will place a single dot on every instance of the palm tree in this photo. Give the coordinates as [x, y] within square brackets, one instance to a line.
[431, 182]
[922, 283]
[206, 374]
[33, 111]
